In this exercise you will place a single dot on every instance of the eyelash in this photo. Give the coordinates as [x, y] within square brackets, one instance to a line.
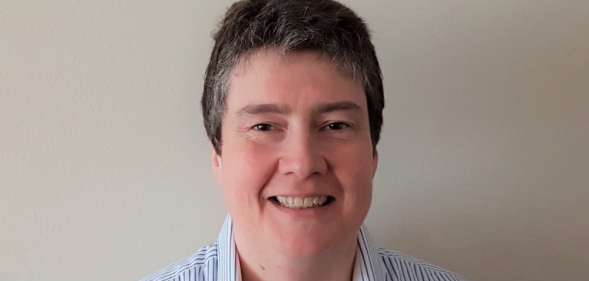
[265, 127]
[258, 127]
[344, 125]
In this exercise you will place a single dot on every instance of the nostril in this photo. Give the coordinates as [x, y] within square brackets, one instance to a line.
[303, 165]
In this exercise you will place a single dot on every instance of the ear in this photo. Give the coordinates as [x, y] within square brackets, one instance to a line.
[374, 162]
[217, 165]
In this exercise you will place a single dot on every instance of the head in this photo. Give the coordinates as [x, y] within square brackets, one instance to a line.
[292, 104]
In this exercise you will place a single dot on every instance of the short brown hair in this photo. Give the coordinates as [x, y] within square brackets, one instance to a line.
[325, 26]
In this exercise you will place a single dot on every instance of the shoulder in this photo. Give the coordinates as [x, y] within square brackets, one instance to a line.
[201, 266]
[398, 266]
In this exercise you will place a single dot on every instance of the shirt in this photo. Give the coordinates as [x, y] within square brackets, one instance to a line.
[219, 262]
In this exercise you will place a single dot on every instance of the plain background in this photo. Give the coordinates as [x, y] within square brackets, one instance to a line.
[104, 164]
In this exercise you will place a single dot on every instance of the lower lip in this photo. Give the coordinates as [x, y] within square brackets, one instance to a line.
[303, 212]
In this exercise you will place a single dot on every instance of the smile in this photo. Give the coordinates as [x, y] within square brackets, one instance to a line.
[293, 202]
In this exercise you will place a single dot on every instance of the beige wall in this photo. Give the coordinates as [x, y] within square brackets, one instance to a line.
[104, 171]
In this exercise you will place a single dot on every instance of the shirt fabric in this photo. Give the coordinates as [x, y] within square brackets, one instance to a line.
[219, 262]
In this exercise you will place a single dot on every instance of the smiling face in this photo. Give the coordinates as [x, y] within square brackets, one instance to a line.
[297, 159]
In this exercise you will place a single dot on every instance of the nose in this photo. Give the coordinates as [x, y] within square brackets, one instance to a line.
[302, 156]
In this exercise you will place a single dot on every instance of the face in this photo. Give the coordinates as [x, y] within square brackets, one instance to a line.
[297, 162]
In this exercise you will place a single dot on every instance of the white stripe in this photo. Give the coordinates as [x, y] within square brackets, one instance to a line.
[219, 262]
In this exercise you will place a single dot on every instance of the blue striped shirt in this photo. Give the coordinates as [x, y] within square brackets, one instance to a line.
[219, 262]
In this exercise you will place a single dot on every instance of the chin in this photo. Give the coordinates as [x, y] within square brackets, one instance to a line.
[307, 243]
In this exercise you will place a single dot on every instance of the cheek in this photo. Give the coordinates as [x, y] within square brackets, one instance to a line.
[246, 168]
[356, 164]
[355, 170]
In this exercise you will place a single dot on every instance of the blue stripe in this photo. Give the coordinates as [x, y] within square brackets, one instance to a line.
[219, 262]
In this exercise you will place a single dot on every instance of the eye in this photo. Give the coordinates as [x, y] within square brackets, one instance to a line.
[264, 127]
[337, 126]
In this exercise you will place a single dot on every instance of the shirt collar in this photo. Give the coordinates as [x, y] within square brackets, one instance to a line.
[366, 267]
[227, 256]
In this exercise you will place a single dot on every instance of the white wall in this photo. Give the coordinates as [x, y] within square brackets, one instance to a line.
[104, 171]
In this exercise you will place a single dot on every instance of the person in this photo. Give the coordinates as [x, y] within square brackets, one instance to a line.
[292, 105]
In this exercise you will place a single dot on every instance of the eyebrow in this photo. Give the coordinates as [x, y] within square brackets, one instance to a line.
[254, 109]
[337, 106]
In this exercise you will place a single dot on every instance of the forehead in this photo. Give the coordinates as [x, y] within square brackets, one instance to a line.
[272, 76]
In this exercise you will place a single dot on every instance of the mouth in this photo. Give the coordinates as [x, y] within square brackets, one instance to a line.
[295, 202]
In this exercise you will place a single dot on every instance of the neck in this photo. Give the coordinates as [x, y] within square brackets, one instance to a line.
[336, 264]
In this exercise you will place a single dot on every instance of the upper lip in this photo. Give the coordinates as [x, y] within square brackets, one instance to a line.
[302, 195]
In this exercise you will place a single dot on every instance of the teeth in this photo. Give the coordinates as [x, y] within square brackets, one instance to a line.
[301, 202]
